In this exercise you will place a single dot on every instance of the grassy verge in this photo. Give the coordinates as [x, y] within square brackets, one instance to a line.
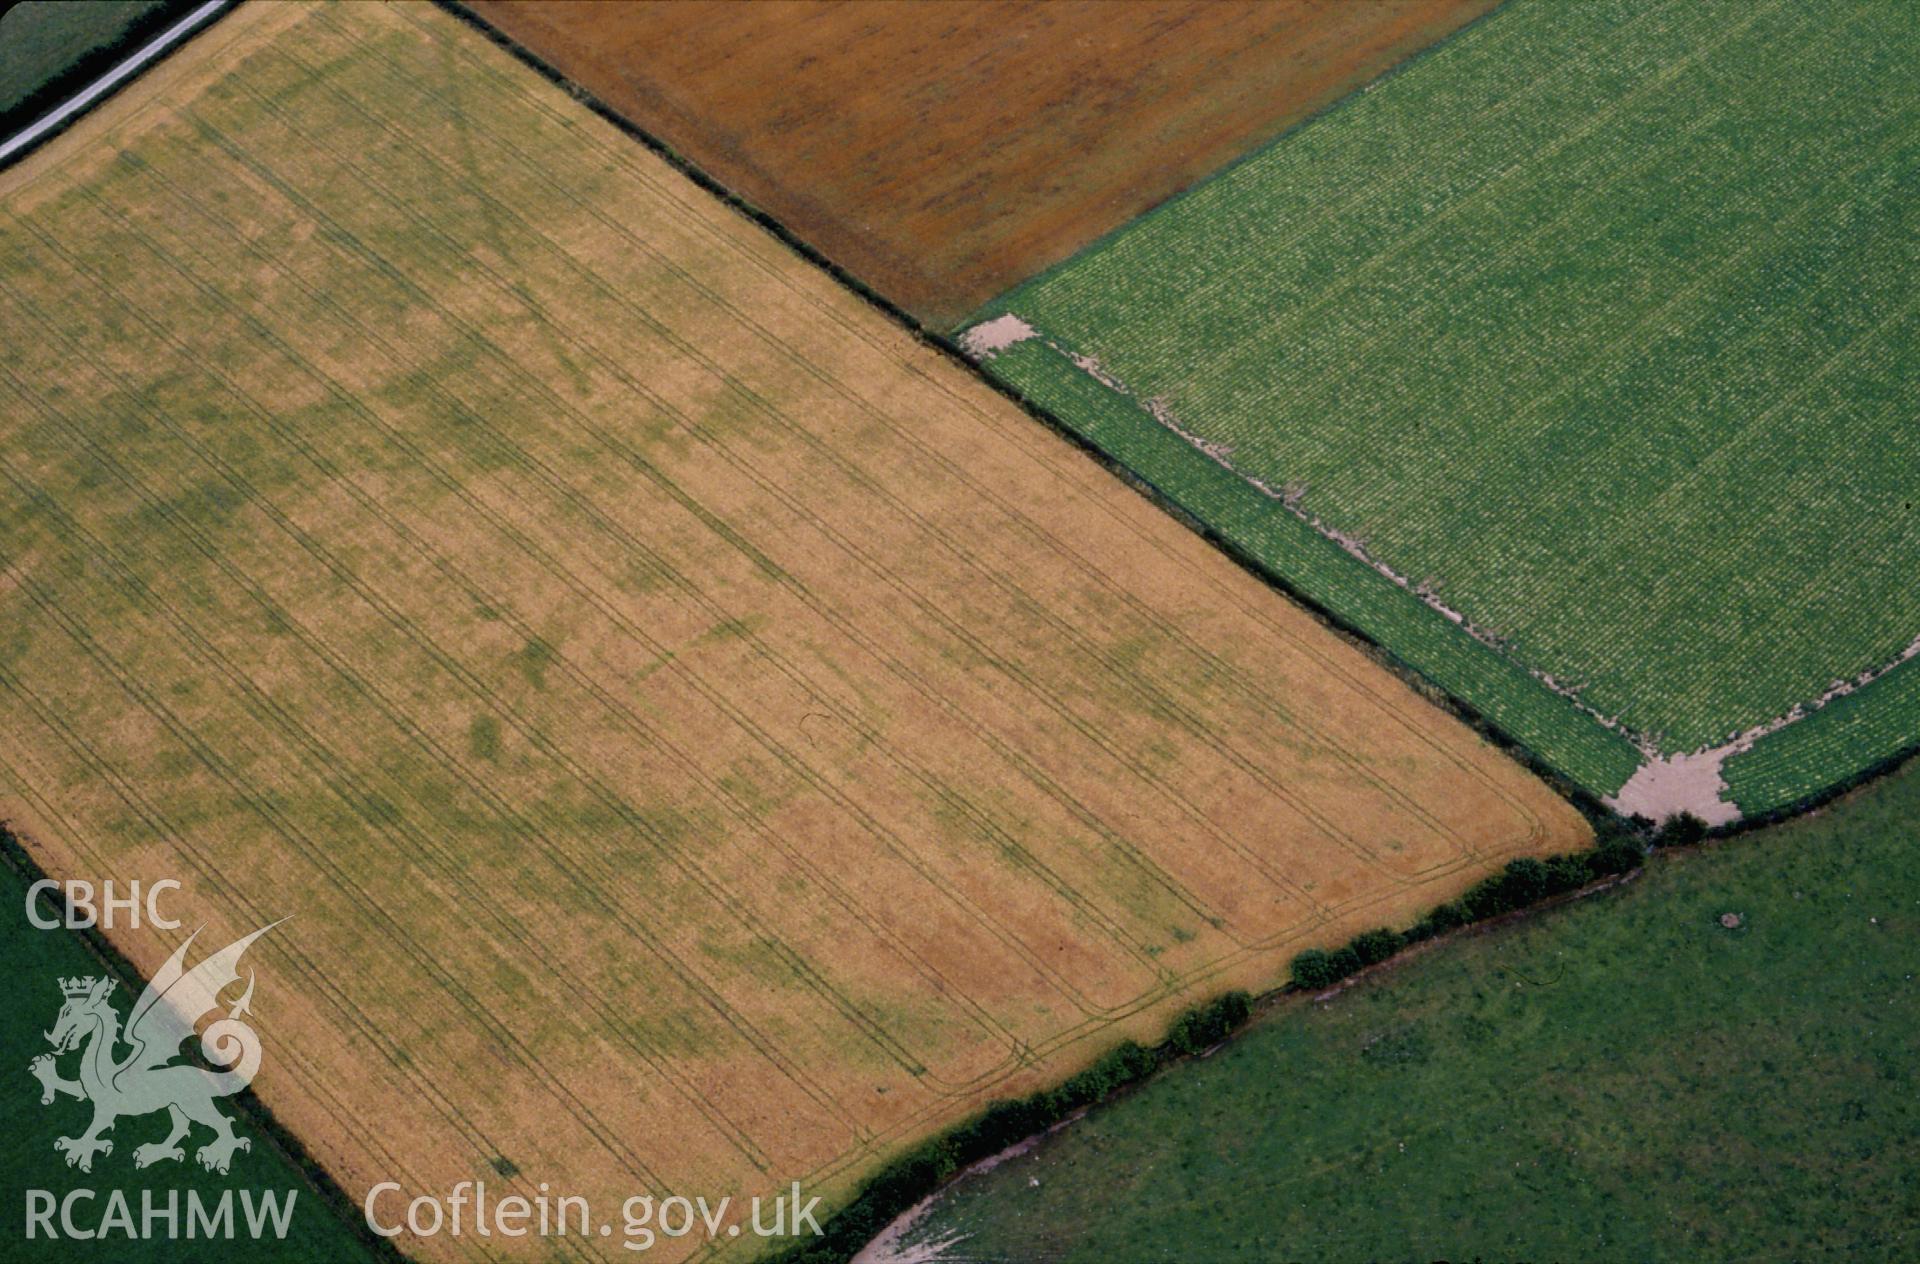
[51, 48]
[1626, 1078]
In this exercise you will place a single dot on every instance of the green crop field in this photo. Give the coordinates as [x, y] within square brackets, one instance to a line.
[1622, 1079]
[1591, 334]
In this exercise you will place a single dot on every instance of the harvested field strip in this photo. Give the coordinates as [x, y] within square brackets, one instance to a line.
[1636, 432]
[728, 733]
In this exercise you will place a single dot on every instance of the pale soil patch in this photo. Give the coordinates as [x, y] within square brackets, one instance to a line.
[1669, 785]
[1674, 784]
[990, 337]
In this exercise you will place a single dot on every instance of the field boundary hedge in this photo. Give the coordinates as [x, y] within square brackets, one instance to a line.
[1604, 750]
[1267, 537]
[1620, 848]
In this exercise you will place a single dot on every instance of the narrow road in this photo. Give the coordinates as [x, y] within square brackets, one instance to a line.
[51, 122]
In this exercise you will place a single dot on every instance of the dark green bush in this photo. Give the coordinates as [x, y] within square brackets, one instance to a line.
[1567, 873]
[1120, 1067]
[1313, 970]
[1207, 1025]
[1184, 1035]
[1446, 917]
[998, 1126]
[916, 1172]
[1486, 898]
[1375, 946]
[1524, 881]
[1527, 881]
[1681, 831]
[1619, 854]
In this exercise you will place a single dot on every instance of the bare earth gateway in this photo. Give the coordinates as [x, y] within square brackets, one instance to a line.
[704, 738]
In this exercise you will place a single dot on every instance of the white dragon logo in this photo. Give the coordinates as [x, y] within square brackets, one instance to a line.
[143, 1081]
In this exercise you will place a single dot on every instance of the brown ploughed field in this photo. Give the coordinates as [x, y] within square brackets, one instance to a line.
[943, 153]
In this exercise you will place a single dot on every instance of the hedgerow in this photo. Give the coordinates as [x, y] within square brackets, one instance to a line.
[911, 1176]
[1523, 882]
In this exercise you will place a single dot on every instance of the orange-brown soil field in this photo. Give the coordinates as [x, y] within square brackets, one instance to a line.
[942, 153]
[704, 738]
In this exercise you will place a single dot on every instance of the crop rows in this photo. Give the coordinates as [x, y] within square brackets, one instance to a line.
[1596, 325]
